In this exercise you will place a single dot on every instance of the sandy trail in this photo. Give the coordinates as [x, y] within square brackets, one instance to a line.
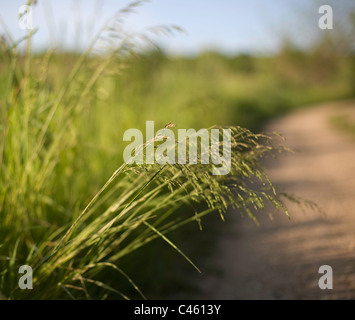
[280, 259]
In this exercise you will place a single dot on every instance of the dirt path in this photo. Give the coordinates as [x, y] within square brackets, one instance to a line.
[280, 259]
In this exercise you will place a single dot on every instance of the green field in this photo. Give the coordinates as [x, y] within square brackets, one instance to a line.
[62, 119]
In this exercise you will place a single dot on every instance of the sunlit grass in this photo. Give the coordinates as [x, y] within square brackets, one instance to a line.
[69, 206]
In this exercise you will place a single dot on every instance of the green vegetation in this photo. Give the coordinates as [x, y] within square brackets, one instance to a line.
[344, 124]
[81, 218]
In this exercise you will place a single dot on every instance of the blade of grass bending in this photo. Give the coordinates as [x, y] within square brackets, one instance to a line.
[173, 245]
[67, 292]
[104, 286]
[102, 231]
[107, 226]
[97, 195]
[111, 265]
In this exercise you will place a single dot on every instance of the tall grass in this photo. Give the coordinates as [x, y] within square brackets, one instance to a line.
[55, 216]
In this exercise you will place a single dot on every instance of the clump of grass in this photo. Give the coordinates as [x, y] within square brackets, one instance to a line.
[137, 205]
[46, 181]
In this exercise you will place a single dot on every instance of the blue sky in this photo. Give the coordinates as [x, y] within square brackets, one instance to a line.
[227, 25]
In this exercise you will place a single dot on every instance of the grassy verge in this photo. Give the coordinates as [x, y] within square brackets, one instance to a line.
[84, 220]
[73, 211]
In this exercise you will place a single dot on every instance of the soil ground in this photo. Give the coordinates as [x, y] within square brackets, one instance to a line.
[280, 259]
